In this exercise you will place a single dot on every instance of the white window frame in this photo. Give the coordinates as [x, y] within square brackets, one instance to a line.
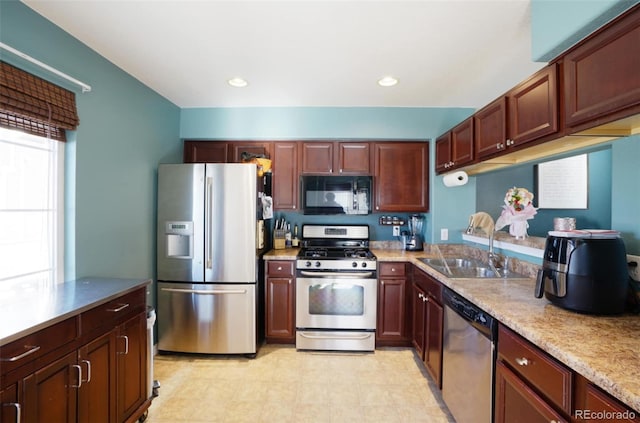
[56, 261]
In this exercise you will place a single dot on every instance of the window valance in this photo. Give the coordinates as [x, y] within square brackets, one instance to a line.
[33, 105]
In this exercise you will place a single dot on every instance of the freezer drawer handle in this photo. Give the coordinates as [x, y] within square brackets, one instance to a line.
[360, 337]
[205, 292]
[23, 355]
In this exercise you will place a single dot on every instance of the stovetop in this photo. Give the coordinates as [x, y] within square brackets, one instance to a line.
[335, 253]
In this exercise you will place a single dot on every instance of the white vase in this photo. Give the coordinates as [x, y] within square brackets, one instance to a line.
[518, 229]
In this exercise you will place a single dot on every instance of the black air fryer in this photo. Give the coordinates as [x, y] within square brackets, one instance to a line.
[586, 273]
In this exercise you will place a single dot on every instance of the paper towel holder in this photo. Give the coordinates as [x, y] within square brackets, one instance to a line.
[455, 179]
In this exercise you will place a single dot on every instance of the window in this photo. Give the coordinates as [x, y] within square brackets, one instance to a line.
[31, 211]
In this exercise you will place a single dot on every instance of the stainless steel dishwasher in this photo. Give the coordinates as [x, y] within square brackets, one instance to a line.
[468, 359]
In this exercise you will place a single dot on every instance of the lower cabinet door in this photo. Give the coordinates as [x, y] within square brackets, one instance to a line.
[97, 395]
[50, 394]
[131, 356]
[516, 402]
[419, 320]
[10, 404]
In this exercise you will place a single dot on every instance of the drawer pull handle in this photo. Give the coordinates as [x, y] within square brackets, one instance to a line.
[17, 407]
[115, 310]
[522, 361]
[23, 355]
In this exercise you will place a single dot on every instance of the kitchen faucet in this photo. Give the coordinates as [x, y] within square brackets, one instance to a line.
[484, 222]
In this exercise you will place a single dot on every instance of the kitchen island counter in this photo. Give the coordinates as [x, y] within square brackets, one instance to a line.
[603, 349]
[28, 310]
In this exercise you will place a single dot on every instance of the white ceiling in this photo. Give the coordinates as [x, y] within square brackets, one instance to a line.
[446, 53]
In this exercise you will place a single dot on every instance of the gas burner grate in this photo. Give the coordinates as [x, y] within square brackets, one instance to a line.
[316, 253]
[351, 253]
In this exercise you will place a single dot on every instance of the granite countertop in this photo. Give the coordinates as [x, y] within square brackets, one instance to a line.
[28, 310]
[283, 254]
[603, 349]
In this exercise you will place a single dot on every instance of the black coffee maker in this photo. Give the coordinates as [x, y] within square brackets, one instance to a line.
[585, 271]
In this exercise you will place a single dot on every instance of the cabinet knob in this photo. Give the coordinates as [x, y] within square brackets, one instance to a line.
[420, 295]
[393, 269]
[279, 267]
[425, 298]
[522, 361]
[510, 142]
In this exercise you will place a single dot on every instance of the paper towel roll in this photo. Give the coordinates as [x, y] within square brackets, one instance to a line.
[455, 179]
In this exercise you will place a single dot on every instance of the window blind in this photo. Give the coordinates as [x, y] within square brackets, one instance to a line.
[31, 104]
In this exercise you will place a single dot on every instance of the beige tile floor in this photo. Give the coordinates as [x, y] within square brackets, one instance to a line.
[285, 385]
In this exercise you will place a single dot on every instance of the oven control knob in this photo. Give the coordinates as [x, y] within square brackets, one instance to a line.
[354, 264]
[308, 264]
[364, 264]
[317, 264]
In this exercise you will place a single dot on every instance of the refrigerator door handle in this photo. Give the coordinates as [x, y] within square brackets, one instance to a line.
[209, 223]
[205, 292]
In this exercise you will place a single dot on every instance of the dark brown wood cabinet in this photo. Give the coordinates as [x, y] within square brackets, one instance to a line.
[602, 75]
[491, 128]
[280, 301]
[533, 107]
[455, 148]
[528, 112]
[529, 376]
[223, 151]
[401, 176]
[335, 158]
[393, 314]
[515, 401]
[428, 322]
[98, 374]
[205, 152]
[285, 175]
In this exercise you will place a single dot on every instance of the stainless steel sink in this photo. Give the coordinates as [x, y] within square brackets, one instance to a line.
[468, 268]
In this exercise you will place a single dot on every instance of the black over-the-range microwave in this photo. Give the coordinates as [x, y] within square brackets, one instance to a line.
[325, 194]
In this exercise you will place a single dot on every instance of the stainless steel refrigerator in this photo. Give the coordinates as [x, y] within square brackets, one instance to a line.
[207, 259]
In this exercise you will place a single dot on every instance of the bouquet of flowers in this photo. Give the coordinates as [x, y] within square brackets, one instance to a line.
[517, 209]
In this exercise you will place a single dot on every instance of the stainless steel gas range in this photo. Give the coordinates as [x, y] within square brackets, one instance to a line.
[336, 289]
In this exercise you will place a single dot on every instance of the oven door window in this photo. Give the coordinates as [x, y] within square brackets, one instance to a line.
[336, 299]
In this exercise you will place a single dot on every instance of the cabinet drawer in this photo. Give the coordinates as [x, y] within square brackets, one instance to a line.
[31, 347]
[113, 312]
[550, 378]
[392, 269]
[280, 268]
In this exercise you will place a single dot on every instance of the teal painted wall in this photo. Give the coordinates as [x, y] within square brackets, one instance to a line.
[556, 25]
[625, 190]
[298, 123]
[111, 160]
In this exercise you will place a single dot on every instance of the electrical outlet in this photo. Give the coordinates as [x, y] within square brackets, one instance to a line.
[396, 231]
[444, 234]
[634, 271]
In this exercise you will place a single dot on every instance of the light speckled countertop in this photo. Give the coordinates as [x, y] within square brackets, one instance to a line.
[28, 310]
[605, 350]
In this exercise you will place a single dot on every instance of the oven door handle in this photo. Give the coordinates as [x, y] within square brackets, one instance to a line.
[359, 275]
[357, 337]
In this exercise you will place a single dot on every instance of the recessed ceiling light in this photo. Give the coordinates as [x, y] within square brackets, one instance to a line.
[387, 81]
[237, 82]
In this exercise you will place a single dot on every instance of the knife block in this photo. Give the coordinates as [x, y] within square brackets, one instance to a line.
[279, 239]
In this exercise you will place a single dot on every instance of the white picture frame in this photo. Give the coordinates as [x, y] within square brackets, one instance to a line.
[563, 183]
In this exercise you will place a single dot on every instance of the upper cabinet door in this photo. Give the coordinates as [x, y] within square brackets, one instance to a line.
[236, 148]
[533, 107]
[353, 158]
[602, 76]
[317, 158]
[205, 152]
[401, 174]
[285, 175]
[491, 128]
[462, 143]
[443, 152]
